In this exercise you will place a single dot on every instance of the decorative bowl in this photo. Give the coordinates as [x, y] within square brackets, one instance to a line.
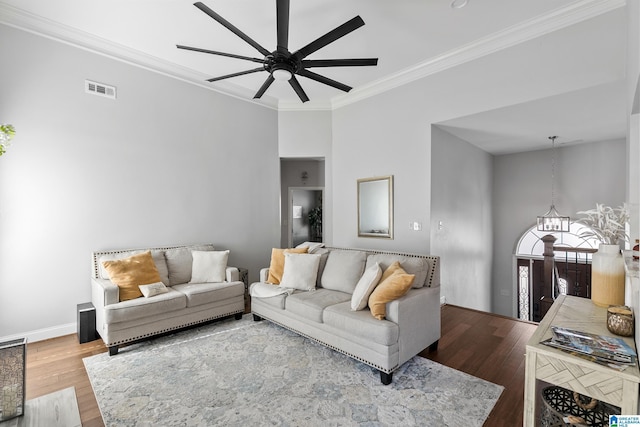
[620, 320]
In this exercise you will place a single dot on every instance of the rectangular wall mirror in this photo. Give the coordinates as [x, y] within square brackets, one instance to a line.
[375, 207]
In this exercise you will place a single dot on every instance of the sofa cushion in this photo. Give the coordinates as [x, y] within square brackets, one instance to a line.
[276, 266]
[209, 266]
[365, 286]
[158, 259]
[391, 287]
[144, 307]
[180, 262]
[360, 324]
[204, 293]
[131, 272]
[343, 270]
[300, 271]
[412, 265]
[310, 305]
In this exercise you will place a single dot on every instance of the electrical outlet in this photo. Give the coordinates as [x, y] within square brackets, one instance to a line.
[505, 292]
[415, 226]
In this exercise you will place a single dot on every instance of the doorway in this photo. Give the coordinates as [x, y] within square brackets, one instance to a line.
[305, 215]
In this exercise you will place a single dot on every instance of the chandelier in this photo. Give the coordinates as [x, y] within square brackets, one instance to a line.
[552, 220]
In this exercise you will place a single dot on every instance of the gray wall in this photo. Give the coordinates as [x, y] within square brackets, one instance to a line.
[165, 163]
[461, 211]
[586, 174]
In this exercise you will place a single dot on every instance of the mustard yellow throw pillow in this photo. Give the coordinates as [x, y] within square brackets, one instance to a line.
[129, 273]
[276, 267]
[392, 286]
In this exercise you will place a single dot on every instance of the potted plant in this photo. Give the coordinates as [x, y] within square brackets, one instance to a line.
[7, 132]
[608, 225]
[315, 222]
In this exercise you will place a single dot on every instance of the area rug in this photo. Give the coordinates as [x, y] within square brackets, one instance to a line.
[239, 373]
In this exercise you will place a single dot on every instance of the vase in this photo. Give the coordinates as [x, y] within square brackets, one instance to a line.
[607, 276]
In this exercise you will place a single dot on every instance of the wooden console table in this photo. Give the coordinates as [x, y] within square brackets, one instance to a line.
[619, 388]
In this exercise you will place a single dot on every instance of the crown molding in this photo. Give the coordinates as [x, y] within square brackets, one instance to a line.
[20, 19]
[574, 13]
[511, 36]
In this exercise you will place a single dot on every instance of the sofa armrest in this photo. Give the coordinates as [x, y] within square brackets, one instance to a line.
[232, 274]
[417, 315]
[104, 293]
[264, 275]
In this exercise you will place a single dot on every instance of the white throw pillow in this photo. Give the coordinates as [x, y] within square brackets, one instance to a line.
[300, 271]
[365, 287]
[153, 289]
[209, 266]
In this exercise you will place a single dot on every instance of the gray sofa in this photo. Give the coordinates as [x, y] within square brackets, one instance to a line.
[119, 322]
[325, 315]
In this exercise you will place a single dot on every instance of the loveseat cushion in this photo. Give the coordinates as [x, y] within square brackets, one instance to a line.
[158, 259]
[129, 273]
[361, 324]
[310, 305]
[343, 270]
[412, 265]
[205, 293]
[180, 262]
[144, 307]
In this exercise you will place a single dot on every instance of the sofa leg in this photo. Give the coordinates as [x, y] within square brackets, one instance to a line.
[113, 350]
[257, 318]
[434, 346]
[238, 316]
[386, 378]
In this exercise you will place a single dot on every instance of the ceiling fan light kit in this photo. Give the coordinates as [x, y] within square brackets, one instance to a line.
[281, 64]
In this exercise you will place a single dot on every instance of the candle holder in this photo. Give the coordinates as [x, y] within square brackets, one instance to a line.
[12, 379]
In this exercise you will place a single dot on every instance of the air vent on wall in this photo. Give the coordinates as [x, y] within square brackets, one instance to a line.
[99, 89]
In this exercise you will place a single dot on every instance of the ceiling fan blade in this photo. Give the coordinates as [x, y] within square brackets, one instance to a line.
[322, 79]
[264, 87]
[331, 36]
[214, 52]
[296, 86]
[240, 73]
[232, 28]
[282, 14]
[356, 62]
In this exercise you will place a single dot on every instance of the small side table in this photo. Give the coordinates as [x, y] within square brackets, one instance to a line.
[86, 322]
[619, 388]
[244, 276]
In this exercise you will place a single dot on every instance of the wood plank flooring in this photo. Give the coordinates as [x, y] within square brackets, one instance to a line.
[485, 345]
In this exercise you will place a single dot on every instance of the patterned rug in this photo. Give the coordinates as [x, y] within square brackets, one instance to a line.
[246, 373]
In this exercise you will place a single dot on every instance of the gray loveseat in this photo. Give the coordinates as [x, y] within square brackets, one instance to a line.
[325, 315]
[119, 322]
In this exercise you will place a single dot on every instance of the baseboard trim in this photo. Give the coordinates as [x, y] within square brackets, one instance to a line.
[44, 334]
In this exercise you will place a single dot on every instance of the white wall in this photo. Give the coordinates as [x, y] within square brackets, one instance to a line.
[390, 133]
[461, 226]
[586, 174]
[165, 163]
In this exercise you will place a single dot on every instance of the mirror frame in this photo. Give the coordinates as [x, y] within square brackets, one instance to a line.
[372, 233]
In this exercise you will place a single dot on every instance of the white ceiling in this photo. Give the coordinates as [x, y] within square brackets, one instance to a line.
[411, 38]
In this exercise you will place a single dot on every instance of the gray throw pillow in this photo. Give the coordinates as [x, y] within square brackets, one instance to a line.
[343, 270]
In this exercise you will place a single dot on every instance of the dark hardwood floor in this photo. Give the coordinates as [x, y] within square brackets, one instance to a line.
[485, 345]
[490, 347]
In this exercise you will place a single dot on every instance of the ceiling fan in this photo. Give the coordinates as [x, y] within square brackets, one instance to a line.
[282, 64]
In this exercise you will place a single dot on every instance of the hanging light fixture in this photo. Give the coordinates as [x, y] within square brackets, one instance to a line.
[552, 220]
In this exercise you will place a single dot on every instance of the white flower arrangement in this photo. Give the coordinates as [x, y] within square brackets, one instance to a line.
[606, 224]
[7, 132]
